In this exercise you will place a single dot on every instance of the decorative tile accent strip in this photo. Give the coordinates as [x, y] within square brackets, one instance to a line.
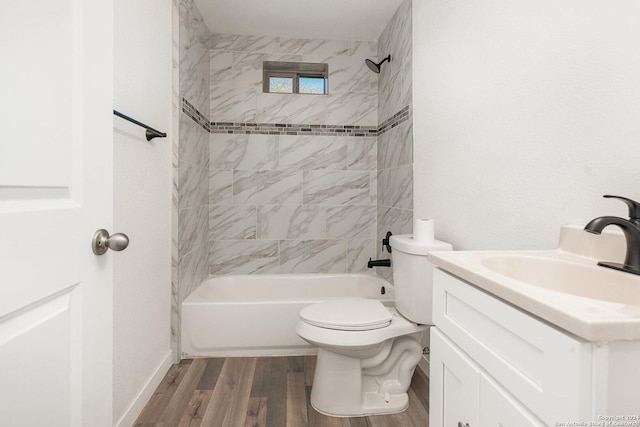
[393, 121]
[246, 128]
[292, 129]
[195, 115]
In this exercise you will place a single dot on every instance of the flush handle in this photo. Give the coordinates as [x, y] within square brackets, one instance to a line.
[102, 241]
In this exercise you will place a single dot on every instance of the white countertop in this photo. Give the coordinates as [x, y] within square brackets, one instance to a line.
[592, 319]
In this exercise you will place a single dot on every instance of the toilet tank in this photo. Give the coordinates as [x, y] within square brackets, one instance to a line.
[413, 276]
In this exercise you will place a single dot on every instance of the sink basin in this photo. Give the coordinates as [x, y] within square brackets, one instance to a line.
[580, 279]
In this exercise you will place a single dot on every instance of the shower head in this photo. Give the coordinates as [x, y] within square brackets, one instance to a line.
[376, 67]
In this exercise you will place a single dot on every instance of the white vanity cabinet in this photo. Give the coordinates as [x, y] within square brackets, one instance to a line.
[495, 365]
[467, 396]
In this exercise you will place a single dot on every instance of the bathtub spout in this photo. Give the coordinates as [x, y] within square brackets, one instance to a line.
[379, 263]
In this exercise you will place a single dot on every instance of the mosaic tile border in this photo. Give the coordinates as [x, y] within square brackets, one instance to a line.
[196, 115]
[293, 129]
[393, 121]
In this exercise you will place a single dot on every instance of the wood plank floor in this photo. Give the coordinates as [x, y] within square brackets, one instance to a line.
[259, 392]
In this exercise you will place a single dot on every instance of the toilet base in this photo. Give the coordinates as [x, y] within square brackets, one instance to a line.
[373, 404]
[341, 388]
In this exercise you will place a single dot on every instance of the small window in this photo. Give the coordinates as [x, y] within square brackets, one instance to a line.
[281, 84]
[295, 77]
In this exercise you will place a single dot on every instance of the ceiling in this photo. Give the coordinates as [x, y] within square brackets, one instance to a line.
[312, 19]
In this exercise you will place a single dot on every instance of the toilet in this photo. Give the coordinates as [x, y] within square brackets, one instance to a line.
[367, 352]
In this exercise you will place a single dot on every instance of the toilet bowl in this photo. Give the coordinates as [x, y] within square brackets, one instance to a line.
[362, 371]
[367, 352]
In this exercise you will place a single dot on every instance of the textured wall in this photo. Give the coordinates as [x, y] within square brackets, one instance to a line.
[528, 116]
[190, 163]
[299, 194]
[395, 143]
[142, 188]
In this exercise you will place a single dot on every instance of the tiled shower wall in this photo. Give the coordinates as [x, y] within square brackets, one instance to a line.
[395, 146]
[190, 163]
[292, 177]
[296, 183]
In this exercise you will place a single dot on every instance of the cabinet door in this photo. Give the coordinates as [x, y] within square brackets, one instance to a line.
[454, 385]
[499, 408]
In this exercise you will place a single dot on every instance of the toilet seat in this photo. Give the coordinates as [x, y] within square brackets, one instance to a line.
[352, 314]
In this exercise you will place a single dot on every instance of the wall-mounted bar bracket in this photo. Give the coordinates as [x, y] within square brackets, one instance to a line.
[150, 133]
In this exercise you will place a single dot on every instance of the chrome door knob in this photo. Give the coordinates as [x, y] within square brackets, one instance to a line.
[102, 241]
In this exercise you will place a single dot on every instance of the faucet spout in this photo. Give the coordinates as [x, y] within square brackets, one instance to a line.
[632, 235]
[378, 263]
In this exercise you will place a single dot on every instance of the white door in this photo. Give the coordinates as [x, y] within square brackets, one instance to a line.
[55, 191]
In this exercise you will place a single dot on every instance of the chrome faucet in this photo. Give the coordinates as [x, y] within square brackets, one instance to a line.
[631, 229]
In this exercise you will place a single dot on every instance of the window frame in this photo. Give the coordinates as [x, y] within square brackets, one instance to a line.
[294, 70]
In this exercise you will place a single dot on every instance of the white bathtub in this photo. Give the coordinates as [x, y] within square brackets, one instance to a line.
[256, 315]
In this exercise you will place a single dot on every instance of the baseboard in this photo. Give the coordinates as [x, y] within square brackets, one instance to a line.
[145, 394]
[423, 364]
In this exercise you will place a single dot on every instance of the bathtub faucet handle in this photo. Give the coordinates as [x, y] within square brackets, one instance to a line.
[385, 242]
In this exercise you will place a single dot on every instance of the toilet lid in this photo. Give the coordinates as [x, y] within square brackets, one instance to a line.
[347, 314]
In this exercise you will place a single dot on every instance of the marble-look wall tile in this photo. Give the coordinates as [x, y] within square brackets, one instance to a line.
[243, 256]
[221, 66]
[407, 83]
[336, 187]
[194, 142]
[351, 221]
[359, 108]
[245, 152]
[247, 69]
[313, 152]
[267, 187]
[395, 147]
[373, 187]
[230, 104]
[232, 222]
[245, 43]
[193, 228]
[291, 222]
[314, 46]
[366, 49]
[313, 256]
[193, 192]
[194, 55]
[192, 270]
[395, 187]
[361, 153]
[349, 74]
[220, 187]
[390, 96]
[359, 251]
[315, 196]
[394, 80]
[291, 108]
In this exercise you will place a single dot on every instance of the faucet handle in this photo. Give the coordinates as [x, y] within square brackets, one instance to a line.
[634, 208]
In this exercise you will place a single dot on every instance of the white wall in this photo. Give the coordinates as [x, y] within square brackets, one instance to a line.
[525, 114]
[142, 210]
